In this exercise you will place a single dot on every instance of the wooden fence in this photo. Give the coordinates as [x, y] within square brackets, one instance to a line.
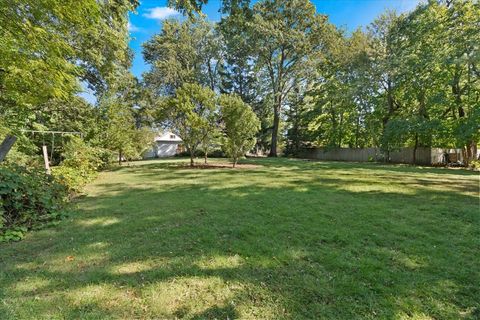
[424, 156]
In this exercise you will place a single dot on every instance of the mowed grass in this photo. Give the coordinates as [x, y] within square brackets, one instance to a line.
[289, 239]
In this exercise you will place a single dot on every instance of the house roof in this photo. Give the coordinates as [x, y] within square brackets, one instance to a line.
[168, 137]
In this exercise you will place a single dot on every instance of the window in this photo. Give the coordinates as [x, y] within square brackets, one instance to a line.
[172, 136]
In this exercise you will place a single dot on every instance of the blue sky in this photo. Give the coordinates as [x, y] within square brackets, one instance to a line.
[349, 14]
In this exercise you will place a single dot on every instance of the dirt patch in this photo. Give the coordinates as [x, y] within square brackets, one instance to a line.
[239, 166]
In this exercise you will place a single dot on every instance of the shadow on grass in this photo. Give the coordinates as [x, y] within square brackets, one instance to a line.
[304, 247]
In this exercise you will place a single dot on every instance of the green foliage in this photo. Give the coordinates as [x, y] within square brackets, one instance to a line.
[74, 179]
[184, 52]
[47, 47]
[80, 165]
[28, 199]
[289, 37]
[24, 152]
[475, 165]
[119, 132]
[77, 154]
[192, 112]
[14, 234]
[408, 81]
[240, 126]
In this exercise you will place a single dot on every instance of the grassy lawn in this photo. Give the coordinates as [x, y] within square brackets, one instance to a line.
[288, 239]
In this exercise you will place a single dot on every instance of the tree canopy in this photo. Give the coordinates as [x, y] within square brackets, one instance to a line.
[408, 79]
[240, 126]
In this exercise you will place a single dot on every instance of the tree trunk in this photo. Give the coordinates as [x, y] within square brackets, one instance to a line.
[390, 107]
[206, 156]
[235, 162]
[120, 157]
[192, 163]
[276, 123]
[473, 147]
[469, 153]
[415, 147]
[357, 131]
[6, 146]
[340, 131]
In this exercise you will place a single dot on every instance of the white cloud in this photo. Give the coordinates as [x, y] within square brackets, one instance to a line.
[160, 13]
[132, 28]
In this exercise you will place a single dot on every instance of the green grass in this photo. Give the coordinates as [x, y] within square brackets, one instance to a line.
[289, 239]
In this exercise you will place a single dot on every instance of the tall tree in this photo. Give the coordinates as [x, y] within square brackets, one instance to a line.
[288, 36]
[239, 74]
[47, 47]
[49, 50]
[184, 52]
[385, 84]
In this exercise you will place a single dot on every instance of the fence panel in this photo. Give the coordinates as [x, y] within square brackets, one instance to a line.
[424, 156]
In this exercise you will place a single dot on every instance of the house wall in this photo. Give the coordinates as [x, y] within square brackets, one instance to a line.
[162, 149]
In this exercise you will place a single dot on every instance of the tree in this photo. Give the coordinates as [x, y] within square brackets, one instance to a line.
[337, 100]
[385, 82]
[411, 80]
[210, 132]
[460, 57]
[240, 126]
[191, 111]
[288, 35]
[190, 7]
[184, 52]
[49, 50]
[435, 92]
[120, 128]
[239, 73]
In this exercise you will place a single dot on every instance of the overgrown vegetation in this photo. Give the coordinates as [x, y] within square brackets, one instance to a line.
[49, 53]
[80, 165]
[28, 199]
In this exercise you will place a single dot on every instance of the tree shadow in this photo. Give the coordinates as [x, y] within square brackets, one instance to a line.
[306, 247]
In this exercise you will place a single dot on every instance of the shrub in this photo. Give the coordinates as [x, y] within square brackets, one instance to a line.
[73, 179]
[77, 154]
[80, 165]
[241, 125]
[475, 165]
[28, 199]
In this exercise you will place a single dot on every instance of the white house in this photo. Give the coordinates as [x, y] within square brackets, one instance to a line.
[167, 144]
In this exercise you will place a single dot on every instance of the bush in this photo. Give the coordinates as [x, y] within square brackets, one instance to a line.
[475, 165]
[28, 199]
[73, 179]
[80, 165]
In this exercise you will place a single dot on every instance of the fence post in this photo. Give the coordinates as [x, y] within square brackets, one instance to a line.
[45, 158]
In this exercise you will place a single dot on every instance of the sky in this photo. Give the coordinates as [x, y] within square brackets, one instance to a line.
[347, 14]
